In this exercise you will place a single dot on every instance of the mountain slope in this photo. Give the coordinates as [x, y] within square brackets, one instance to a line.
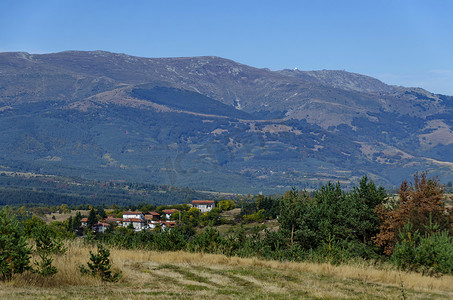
[209, 122]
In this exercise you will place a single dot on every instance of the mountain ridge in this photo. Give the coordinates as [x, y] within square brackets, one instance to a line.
[209, 117]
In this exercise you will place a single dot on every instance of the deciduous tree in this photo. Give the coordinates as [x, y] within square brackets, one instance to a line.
[419, 202]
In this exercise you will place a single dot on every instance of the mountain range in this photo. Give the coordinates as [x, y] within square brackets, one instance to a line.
[212, 123]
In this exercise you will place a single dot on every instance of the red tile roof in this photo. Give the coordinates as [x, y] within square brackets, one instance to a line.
[203, 202]
[154, 213]
[113, 220]
[169, 211]
[84, 220]
[102, 224]
[170, 224]
[133, 220]
[132, 213]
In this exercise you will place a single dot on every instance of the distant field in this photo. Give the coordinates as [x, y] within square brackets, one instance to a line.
[60, 217]
[182, 275]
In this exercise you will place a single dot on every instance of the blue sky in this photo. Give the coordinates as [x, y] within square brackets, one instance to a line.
[406, 43]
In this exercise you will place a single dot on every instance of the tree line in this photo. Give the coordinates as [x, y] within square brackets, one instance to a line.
[412, 230]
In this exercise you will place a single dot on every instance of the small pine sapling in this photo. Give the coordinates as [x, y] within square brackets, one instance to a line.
[47, 244]
[100, 265]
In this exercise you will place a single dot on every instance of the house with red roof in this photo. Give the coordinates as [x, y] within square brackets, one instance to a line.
[152, 216]
[137, 223]
[168, 213]
[133, 215]
[203, 205]
[100, 227]
[168, 224]
[113, 220]
[136, 218]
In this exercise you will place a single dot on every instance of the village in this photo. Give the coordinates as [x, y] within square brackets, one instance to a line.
[147, 220]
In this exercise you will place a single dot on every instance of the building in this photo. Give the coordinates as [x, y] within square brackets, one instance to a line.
[168, 213]
[133, 215]
[154, 224]
[152, 216]
[203, 205]
[112, 220]
[167, 224]
[137, 223]
[100, 227]
[136, 218]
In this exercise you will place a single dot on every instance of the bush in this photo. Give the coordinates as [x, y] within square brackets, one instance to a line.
[429, 254]
[256, 217]
[226, 205]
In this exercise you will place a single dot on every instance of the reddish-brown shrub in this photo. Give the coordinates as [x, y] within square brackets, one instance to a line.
[419, 202]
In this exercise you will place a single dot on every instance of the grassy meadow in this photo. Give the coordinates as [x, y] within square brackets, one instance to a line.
[183, 275]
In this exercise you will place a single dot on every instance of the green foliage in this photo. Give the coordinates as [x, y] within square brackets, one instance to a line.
[259, 216]
[30, 224]
[89, 237]
[101, 213]
[344, 219]
[100, 265]
[47, 244]
[225, 205]
[92, 218]
[77, 221]
[269, 206]
[47, 240]
[331, 251]
[208, 241]
[295, 216]
[14, 251]
[18, 190]
[210, 218]
[365, 199]
[191, 218]
[431, 253]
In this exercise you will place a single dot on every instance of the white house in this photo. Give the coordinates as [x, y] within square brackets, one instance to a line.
[101, 227]
[153, 224]
[203, 205]
[133, 215]
[138, 224]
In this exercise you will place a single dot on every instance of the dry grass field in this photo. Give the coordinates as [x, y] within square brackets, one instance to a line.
[182, 275]
[60, 217]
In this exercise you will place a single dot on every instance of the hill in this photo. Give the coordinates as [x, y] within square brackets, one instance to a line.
[212, 123]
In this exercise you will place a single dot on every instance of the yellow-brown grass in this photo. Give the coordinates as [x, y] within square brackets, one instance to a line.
[366, 273]
[63, 216]
[67, 266]
[197, 275]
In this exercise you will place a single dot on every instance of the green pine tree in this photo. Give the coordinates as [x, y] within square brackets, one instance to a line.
[14, 251]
